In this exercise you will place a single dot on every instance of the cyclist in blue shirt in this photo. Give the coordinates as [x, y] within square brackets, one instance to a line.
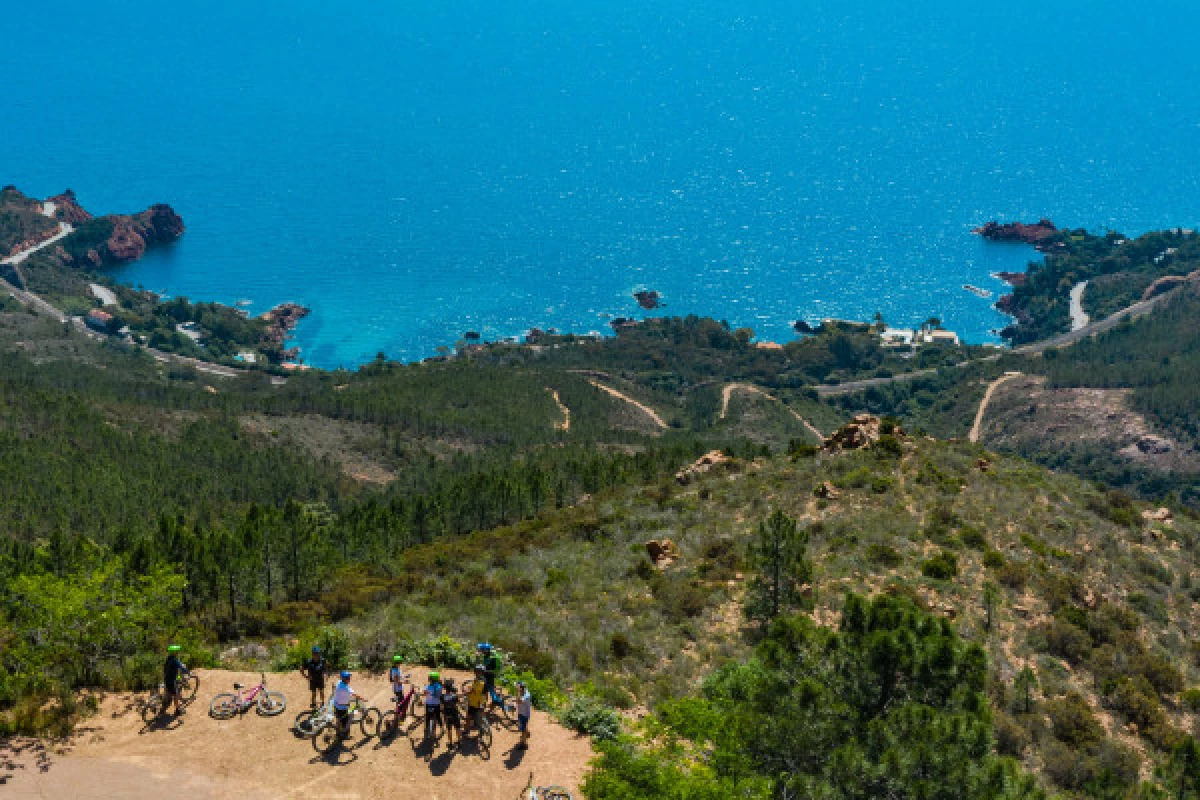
[491, 668]
[433, 704]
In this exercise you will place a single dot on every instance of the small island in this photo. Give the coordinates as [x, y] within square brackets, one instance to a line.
[648, 299]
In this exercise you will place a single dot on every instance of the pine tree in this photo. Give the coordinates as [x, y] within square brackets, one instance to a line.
[780, 556]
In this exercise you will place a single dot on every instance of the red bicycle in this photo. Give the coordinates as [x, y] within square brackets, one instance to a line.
[229, 704]
[390, 723]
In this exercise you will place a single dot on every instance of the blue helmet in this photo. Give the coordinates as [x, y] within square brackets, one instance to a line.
[484, 647]
[345, 674]
[316, 648]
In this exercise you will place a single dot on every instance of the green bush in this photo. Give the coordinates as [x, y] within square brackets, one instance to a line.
[942, 567]
[589, 715]
[884, 555]
[1072, 721]
[994, 559]
[1190, 699]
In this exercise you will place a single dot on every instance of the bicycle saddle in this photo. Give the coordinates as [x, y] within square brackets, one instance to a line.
[237, 686]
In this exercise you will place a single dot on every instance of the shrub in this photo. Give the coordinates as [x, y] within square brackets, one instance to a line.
[884, 555]
[620, 646]
[544, 692]
[993, 559]
[1072, 722]
[1191, 699]
[1011, 738]
[1067, 641]
[942, 567]
[441, 651]
[1014, 575]
[588, 715]
[974, 538]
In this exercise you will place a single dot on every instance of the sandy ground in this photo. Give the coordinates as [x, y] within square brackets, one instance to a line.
[259, 758]
[977, 425]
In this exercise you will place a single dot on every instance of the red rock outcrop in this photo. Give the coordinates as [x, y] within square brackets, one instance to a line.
[1040, 234]
[280, 321]
[67, 208]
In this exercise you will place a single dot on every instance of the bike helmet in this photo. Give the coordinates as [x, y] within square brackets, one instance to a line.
[345, 675]
[435, 676]
[316, 648]
[396, 659]
[174, 648]
[483, 647]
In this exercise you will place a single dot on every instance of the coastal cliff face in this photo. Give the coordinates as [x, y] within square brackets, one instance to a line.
[280, 321]
[114, 238]
[1041, 234]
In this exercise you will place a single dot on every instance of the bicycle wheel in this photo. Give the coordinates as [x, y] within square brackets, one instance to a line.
[369, 724]
[555, 793]
[417, 708]
[188, 688]
[303, 723]
[151, 708]
[388, 727]
[271, 704]
[224, 706]
[326, 739]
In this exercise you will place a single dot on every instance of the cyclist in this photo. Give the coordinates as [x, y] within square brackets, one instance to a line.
[343, 696]
[451, 714]
[433, 704]
[172, 669]
[491, 668]
[475, 700]
[396, 678]
[524, 711]
[314, 669]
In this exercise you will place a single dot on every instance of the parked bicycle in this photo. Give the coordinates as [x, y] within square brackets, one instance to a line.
[310, 721]
[155, 703]
[392, 722]
[531, 792]
[229, 704]
[332, 734]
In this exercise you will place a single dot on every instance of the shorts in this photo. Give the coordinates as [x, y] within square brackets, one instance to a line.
[452, 717]
[522, 723]
[316, 684]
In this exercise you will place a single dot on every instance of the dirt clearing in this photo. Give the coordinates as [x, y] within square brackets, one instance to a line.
[259, 758]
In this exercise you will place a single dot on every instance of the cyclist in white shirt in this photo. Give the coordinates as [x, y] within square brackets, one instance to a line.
[343, 696]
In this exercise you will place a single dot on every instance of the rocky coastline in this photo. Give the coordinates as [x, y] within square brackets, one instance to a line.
[648, 299]
[281, 320]
[128, 235]
[1042, 235]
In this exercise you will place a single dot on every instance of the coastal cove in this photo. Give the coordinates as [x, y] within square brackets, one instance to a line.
[472, 169]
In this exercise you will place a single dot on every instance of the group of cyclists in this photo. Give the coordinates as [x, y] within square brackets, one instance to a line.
[440, 696]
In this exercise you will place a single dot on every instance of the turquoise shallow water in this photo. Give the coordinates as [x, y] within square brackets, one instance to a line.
[412, 171]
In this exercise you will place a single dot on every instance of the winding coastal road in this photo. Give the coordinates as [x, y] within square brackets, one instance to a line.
[1079, 317]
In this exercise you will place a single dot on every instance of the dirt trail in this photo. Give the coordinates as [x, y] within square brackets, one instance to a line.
[565, 425]
[973, 436]
[645, 409]
[1079, 317]
[258, 758]
[730, 388]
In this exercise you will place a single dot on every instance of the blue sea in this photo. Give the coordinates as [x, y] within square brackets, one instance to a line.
[412, 171]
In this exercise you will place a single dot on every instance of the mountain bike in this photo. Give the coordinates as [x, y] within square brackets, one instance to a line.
[229, 704]
[390, 723]
[310, 721]
[333, 734]
[531, 792]
[156, 702]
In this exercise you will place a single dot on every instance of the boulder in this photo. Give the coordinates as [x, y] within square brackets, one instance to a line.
[1162, 515]
[662, 552]
[859, 433]
[1154, 445]
[983, 465]
[702, 465]
[826, 490]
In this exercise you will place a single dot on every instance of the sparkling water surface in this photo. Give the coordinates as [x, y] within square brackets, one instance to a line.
[412, 171]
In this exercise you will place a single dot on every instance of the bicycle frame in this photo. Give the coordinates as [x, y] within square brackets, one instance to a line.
[251, 694]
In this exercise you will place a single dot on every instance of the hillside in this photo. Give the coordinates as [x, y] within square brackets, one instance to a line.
[539, 496]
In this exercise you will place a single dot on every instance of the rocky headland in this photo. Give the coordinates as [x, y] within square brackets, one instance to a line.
[1042, 234]
[115, 238]
[280, 321]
